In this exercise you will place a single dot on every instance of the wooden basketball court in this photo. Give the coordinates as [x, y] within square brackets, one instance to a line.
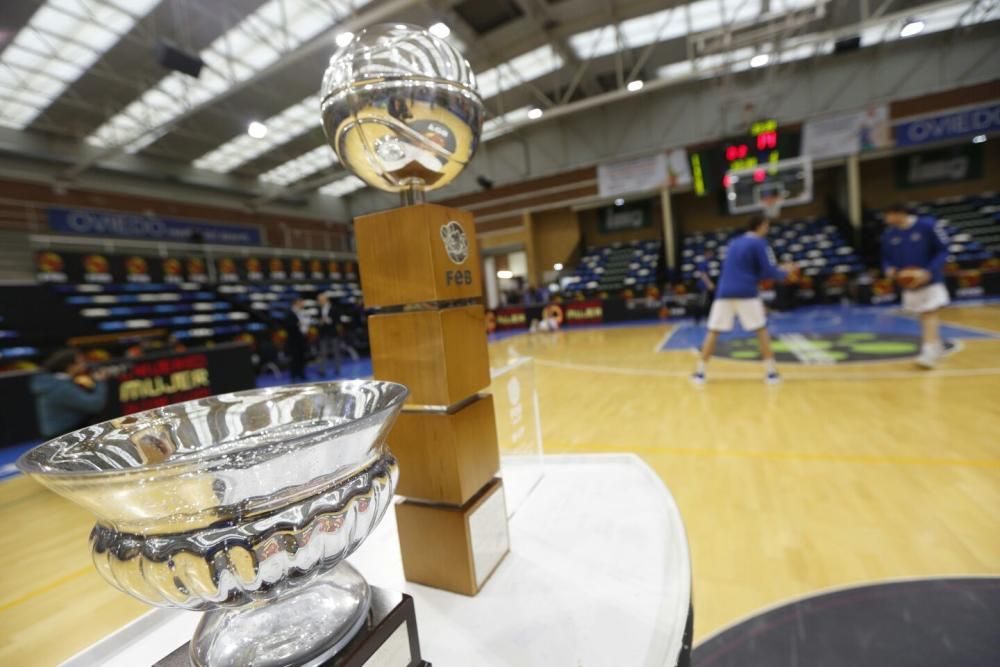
[845, 473]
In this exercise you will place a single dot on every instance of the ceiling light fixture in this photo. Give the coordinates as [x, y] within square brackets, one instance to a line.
[535, 114]
[619, 202]
[634, 86]
[760, 60]
[504, 274]
[979, 139]
[558, 266]
[257, 130]
[439, 30]
[912, 27]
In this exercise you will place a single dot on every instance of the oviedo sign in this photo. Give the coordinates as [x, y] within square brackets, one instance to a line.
[954, 125]
[132, 225]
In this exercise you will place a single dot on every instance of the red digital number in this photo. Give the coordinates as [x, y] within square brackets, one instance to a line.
[767, 140]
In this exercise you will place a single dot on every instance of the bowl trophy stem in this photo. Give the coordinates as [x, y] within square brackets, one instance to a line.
[305, 627]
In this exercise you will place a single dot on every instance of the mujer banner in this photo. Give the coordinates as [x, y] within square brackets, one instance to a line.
[147, 382]
[93, 222]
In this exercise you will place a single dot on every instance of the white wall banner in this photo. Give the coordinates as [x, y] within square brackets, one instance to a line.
[847, 134]
[636, 175]
[678, 168]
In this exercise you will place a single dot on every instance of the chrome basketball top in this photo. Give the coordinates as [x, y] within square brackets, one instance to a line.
[401, 109]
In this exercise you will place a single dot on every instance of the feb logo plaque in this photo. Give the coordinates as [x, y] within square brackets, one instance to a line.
[456, 246]
[456, 243]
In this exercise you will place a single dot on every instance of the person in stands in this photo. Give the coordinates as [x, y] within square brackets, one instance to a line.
[748, 261]
[329, 333]
[62, 403]
[914, 252]
[297, 326]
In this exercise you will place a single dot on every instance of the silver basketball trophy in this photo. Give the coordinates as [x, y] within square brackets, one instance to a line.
[243, 506]
[400, 109]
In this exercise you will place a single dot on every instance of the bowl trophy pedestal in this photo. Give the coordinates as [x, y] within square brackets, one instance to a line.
[401, 110]
[244, 506]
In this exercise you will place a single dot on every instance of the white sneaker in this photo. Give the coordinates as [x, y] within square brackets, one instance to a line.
[772, 378]
[698, 378]
[929, 358]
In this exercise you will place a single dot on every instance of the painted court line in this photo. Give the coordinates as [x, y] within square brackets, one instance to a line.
[790, 455]
[883, 375]
[667, 336]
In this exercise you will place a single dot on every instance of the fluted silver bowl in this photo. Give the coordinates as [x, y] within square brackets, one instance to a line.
[400, 108]
[236, 499]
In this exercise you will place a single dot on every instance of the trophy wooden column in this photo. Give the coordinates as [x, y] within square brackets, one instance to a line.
[420, 277]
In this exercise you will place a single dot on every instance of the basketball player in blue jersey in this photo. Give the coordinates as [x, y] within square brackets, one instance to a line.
[748, 261]
[914, 252]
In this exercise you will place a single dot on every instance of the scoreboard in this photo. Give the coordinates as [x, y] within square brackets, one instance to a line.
[764, 144]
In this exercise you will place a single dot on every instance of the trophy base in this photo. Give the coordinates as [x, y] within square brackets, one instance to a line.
[304, 627]
[387, 637]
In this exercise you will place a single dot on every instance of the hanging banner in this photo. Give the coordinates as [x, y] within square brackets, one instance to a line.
[254, 269]
[196, 270]
[133, 225]
[847, 134]
[316, 269]
[276, 269]
[678, 168]
[297, 269]
[955, 125]
[137, 269]
[50, 267]
[640, 174]
[97, 269]
[621, 218]
[226, 270]
[173, 270]
[963, 162]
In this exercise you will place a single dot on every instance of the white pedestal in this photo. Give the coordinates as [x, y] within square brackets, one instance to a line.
[598, 574]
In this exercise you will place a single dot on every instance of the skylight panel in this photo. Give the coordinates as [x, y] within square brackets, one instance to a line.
[60, 42]
[294, 121]
[264, 35]
[307, 164]
[500, 125]
[342, 187]
[527, 67]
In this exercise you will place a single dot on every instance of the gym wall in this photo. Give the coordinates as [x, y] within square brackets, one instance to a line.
[556, 236]
[592, 235]
[22, 209]
[879, 187]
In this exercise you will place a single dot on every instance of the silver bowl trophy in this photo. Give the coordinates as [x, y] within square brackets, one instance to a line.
[243, 506]
[401, 110]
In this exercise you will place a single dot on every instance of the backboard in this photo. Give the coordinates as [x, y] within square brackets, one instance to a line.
[770, 186]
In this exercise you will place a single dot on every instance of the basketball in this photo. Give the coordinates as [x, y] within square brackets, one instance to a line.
[912, 277]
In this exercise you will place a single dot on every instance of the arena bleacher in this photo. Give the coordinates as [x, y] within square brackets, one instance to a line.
[972, 223]
[816, 246]
[616, 267]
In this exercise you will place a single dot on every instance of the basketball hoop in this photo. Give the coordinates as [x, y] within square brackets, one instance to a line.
[770, 205]
[767, 189]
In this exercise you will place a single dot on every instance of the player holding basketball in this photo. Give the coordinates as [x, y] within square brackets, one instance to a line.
[914, 252]
[748, 261]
